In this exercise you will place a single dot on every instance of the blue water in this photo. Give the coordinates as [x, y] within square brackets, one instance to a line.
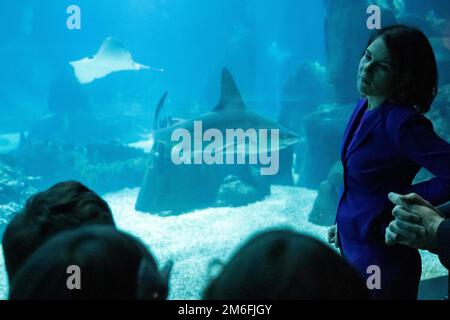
[262, 43]
[191, 40]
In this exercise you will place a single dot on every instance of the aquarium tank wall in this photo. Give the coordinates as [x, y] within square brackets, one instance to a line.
[201, 123]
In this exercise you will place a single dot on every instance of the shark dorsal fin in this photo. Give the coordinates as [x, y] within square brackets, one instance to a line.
[230, 98]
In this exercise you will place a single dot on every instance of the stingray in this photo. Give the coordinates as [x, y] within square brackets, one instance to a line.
[111, 57]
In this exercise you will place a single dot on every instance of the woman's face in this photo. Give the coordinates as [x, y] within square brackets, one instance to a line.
[375, 73]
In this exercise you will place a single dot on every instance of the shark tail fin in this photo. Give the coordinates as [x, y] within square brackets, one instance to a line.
[158, 110]
[230, 97]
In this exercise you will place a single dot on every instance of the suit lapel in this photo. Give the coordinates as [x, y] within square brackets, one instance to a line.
[354, 120]
[369, 123]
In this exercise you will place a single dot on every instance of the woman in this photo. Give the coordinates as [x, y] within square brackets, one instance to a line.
[385, 144]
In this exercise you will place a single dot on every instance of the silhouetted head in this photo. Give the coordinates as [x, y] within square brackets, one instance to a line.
[66, 205]
[286, 265]
[399, 63]
[95, 262]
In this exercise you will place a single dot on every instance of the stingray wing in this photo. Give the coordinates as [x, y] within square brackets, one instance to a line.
[111, 57]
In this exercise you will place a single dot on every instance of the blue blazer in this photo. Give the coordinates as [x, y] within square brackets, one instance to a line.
[384, 155]
[393, 143]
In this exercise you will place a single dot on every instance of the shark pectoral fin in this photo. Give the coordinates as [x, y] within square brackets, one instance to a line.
[158, 110]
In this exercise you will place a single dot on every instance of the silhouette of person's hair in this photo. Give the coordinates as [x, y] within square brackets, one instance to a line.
[64, 206]
[282, 264]
[414, 64]
[94, 262]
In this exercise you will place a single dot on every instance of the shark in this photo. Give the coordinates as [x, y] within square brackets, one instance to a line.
[111, 57]
[231, 114]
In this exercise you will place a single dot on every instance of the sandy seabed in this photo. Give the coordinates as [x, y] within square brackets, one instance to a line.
[192, 240]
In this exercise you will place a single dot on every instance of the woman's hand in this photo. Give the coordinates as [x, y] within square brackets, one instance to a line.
[332, 236]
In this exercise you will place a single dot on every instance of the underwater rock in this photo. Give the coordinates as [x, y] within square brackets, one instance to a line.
[65, 129]
[10, 142]
[440, 113]
[112, 152]
[302, 94]
[114, 176]
[433, 18]
[14, 184]
[49, 160]
[82, 129]
[325, 205]
[275, 52]
[299, 155]
[234, 192]
[441, 47]
[74, 119]
[346, 36]
[104, 167]
[173, 189]
[433, 10]
[170, 188]
[15, 188]
[249, 185]
[286, 160]
[7, 212]
[324, 130]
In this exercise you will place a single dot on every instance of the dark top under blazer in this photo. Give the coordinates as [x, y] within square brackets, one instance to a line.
[392, 144]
